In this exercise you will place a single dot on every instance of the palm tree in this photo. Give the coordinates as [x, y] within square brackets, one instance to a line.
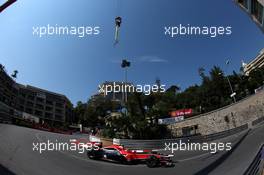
[216, 73]
[174, 88]
[201, 71]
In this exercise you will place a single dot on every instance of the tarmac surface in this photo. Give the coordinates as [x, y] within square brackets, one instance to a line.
[18, 158]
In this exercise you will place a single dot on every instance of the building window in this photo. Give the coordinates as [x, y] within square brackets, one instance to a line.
[21, 101]
[244, 3]
[257, 10]
[23, 95]
[48, 115]
[38, 113]
[58, 117]
[48, 108]
[41, 100]
[31, 97]
[29, 110]
[48, 102]
[60, 105]
[59, 111]
[30, 104]
[39, 106]
[21, 108]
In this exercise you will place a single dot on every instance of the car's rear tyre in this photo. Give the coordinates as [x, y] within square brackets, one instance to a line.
[152, 162]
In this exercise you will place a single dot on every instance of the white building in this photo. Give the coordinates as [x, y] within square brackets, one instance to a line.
[255, 9]
[257, 62]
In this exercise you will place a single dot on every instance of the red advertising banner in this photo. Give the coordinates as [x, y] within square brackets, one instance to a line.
[181, 112]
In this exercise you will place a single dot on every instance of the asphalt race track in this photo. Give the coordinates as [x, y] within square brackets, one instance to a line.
[18, 158]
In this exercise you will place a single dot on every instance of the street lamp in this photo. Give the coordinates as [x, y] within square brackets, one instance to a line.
[6, 4]
[232, 91]
[125, 64]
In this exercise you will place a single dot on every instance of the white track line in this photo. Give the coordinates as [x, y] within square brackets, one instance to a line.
[194, 157]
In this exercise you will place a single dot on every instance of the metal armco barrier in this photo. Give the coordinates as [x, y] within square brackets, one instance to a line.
[159, 144]
[257, 165]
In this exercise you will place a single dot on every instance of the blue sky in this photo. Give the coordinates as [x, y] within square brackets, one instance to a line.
[76, 66]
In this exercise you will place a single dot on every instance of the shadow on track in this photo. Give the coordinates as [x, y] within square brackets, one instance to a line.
[133, 164]
[216, 163]
[5, 171]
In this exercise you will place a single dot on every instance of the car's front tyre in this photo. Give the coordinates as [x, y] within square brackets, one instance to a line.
[152, 162]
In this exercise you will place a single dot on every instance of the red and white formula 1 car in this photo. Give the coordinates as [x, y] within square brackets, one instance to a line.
[118, 153]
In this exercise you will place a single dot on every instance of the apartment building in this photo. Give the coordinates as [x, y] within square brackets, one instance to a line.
[255, 9]
[49, 107]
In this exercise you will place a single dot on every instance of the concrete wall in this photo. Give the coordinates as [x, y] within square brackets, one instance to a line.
[229, 117]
